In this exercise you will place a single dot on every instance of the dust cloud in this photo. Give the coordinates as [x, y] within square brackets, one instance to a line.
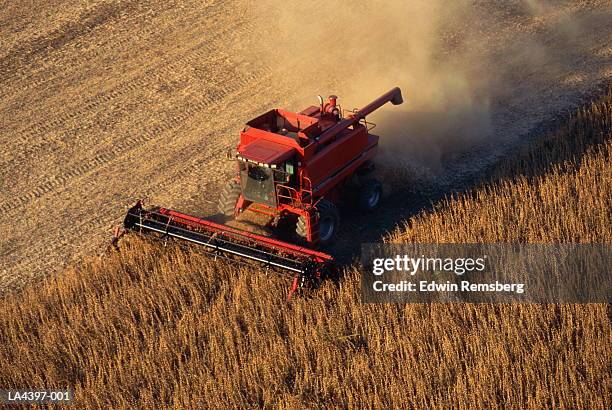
[436, 51]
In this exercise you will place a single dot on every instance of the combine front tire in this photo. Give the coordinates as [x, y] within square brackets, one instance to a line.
[301, 228]
[370, 195]
[329, 222]
[228, 198]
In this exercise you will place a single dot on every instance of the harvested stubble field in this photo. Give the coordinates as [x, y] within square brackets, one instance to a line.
[153, 326]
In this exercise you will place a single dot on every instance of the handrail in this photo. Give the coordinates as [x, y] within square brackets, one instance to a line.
[300, 199]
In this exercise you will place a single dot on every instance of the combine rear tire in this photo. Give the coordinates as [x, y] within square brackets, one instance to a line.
[370, 195]
[329, 222]
[228, 198]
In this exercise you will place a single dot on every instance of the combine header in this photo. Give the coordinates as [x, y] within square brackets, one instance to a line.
[294, 168]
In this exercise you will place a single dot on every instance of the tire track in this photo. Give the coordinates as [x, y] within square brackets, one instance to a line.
[167, 66]
[99, 224]
[96, 223]
[210, 11]
[92, 107]
[150, 76]
[175, 120]
[45, 45]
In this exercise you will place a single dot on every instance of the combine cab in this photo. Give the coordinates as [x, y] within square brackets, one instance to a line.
[291, 167]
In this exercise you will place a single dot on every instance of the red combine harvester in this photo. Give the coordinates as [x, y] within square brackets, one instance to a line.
[293, 167]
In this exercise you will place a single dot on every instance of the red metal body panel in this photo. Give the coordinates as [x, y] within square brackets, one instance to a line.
[345, 150]
[249, 135]
[341, 173]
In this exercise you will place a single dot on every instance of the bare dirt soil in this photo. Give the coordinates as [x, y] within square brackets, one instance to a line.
[105, 102]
